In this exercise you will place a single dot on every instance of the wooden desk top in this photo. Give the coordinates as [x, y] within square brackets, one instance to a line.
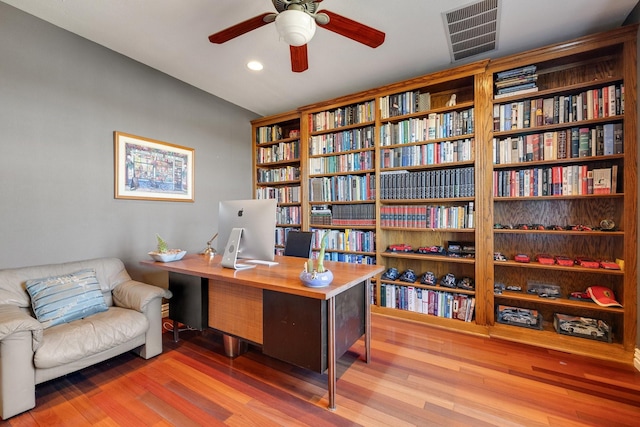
[283, 277]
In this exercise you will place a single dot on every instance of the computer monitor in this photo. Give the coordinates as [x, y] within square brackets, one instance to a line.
[247, 230]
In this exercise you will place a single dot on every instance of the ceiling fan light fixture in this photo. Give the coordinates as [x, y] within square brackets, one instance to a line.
[295, 27]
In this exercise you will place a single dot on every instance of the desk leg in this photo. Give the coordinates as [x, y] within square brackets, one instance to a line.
[331, 368]
[367, 321]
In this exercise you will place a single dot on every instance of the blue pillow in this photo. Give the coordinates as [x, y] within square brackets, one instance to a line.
[61, 299]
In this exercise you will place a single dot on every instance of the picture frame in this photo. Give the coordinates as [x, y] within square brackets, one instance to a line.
[147, 169]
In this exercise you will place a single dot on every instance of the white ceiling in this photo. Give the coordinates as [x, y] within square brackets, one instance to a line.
[171, 36]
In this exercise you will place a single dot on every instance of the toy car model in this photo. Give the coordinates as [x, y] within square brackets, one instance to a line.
[448, 281]
[408, 276]
[518, 315]
[545, 291]
[391, 274]
[522, 258]
[498, 288]
[431, 250]
[466, 283]
[580, 295]
[609, 265]
[498, 256]
[428, 278]
[545, 259]
[587, 262]
[400, 248]
[564, 261]
[514, 288]
[582, 328]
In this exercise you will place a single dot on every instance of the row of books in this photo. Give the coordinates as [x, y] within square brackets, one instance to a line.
[434, 126]
[345, 188]
[279, 152]
[360, 214]
[435, 303]
[515, 81]
[346, 240]
[600, 140]
[427, 154]
[603, 102]
[569, 180]
[350, 162]
[352, 139]
[404, 103]
[417, 216]
[286, 194]
[352, 258]
[429, 184]
[268, 134]
[287, 173]
[288, 215]
[343, 116]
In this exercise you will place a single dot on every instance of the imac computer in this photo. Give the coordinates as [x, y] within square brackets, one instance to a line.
[247, 230]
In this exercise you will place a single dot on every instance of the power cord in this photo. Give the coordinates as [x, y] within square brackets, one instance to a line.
[169, 327]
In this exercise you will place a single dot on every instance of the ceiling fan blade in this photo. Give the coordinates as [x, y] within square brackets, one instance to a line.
[239, 29]
[299, 62]
[353, 30]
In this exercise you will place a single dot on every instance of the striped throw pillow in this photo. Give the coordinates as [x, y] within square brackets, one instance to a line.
[61, 299]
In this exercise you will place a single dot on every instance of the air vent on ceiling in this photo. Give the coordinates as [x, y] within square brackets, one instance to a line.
[472, 29]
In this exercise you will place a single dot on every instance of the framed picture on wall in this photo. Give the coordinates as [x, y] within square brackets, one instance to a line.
[146, 169]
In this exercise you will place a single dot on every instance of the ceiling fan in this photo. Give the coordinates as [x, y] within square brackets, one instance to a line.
[296, 23]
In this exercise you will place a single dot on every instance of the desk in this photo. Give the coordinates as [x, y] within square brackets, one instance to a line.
[269, 306]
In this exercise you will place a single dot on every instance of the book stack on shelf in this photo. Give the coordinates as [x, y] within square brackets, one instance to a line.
[404, 103]
[320, 215]
[428, 184]
[516, 81]
[428, 301]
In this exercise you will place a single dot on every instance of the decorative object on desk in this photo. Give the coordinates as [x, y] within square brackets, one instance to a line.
[319, 276]
[209, 251]
[164, 254]
[146, 169]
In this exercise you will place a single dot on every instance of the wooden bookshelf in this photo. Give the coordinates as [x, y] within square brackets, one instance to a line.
[399, 140]
[277, 159]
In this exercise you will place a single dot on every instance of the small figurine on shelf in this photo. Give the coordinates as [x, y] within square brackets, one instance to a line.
[318, 276]
[452, 101]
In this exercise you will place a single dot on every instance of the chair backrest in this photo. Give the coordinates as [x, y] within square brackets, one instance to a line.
[298, 244]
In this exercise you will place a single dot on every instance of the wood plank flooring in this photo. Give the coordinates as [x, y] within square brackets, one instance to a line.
[419, 376]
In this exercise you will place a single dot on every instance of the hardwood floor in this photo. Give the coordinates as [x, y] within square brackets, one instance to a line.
[419, 376]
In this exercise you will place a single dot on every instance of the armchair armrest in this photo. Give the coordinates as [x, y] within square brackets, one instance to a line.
[137, 295]
[14, 319]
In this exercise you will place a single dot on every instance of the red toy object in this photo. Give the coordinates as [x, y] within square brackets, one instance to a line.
[609, 265]
[400, 248]
[587, 262]
[564, 261]
[522, 258]
[545, 259]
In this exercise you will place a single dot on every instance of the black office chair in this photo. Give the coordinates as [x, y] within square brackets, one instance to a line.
[299, 243]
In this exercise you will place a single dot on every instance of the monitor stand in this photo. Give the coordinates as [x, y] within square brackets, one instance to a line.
[230, 256]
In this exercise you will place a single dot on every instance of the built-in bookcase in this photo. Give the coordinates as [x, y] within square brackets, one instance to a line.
[427, 197]
[277, 160]
[341, 167]
[565, 184]
[532, 154]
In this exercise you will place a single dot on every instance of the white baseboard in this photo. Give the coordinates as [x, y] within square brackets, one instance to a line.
[165, 311]
[636, 359]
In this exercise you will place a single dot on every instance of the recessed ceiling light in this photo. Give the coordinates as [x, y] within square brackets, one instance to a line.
[254, 65]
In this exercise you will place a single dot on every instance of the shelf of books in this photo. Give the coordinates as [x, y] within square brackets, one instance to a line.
[501, 195]
[341, 169]
[277, 157]
[564, 196]
[426, 199]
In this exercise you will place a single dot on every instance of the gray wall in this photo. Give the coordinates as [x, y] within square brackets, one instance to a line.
[61, 99]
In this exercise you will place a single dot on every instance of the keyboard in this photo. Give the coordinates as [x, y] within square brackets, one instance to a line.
[261, 262]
